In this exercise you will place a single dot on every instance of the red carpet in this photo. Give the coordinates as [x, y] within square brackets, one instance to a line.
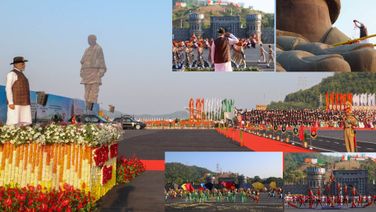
[260, 144]
[154, 165]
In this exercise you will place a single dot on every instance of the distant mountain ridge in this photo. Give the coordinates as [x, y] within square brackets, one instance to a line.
[176, 115]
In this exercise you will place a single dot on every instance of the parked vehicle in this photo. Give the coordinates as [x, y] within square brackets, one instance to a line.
[129, 122]
[89, 119]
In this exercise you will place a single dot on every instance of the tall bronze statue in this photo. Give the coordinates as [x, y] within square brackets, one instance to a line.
[93, 68]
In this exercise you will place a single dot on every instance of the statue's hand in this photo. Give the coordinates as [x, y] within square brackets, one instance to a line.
[101, 72]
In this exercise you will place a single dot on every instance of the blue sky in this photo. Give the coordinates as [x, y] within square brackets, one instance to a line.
[136, 39]
[362, 11]
[263, 164]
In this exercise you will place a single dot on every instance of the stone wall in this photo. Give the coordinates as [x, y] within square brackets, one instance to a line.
[180, 34]
[268, 35]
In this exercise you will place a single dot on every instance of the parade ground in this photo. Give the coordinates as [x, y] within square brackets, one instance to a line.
[372, 208]
[151, 144]
[146, 192]
[252, 56]
[266, 204]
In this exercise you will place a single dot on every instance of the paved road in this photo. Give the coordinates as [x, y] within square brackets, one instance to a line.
[152, 144]
[332, 141]
[223, 207]
[144, 193]
[264, 199]
[252, 57]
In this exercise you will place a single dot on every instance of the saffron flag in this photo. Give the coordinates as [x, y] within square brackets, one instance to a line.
[301, 133]
[187, 187]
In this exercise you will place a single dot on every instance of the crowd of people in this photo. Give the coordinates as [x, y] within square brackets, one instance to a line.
[219, 195]
[308, 118]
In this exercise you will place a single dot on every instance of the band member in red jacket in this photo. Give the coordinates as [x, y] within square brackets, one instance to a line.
[310, 197]
[319, 201]
[354, 193]
[346, 195]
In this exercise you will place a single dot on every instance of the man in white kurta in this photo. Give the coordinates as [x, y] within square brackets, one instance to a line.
[220, 51]
[18, 94]
[93, 68]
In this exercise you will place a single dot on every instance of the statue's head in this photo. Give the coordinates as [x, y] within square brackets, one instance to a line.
[310, 18]
[92, 39]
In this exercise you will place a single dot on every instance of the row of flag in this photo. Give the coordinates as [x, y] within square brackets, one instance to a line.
[336, 101]
[210, 108]
[189, 187]
[365, 99]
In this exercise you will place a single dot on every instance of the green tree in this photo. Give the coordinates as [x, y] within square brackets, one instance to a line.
[340, 83]
[370, 166]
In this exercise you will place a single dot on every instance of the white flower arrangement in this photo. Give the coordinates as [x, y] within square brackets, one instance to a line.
[88, 134]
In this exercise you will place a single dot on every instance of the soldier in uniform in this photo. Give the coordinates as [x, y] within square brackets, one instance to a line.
[18, 94]
[346, 195]
[310, 197]
[349, 123]
[270, 56]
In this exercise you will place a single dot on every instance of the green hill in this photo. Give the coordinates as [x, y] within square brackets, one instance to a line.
[340, 82]
[294, 165]
[179, 173]
[180, 15]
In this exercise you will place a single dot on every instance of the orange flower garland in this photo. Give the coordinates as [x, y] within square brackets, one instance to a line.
[53, 165]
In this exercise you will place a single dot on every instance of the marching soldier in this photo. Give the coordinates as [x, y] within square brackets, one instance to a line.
[346, 195]
[350, 123]
[310, 197]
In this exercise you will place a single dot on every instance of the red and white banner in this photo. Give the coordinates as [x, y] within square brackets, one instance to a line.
[336, 101]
